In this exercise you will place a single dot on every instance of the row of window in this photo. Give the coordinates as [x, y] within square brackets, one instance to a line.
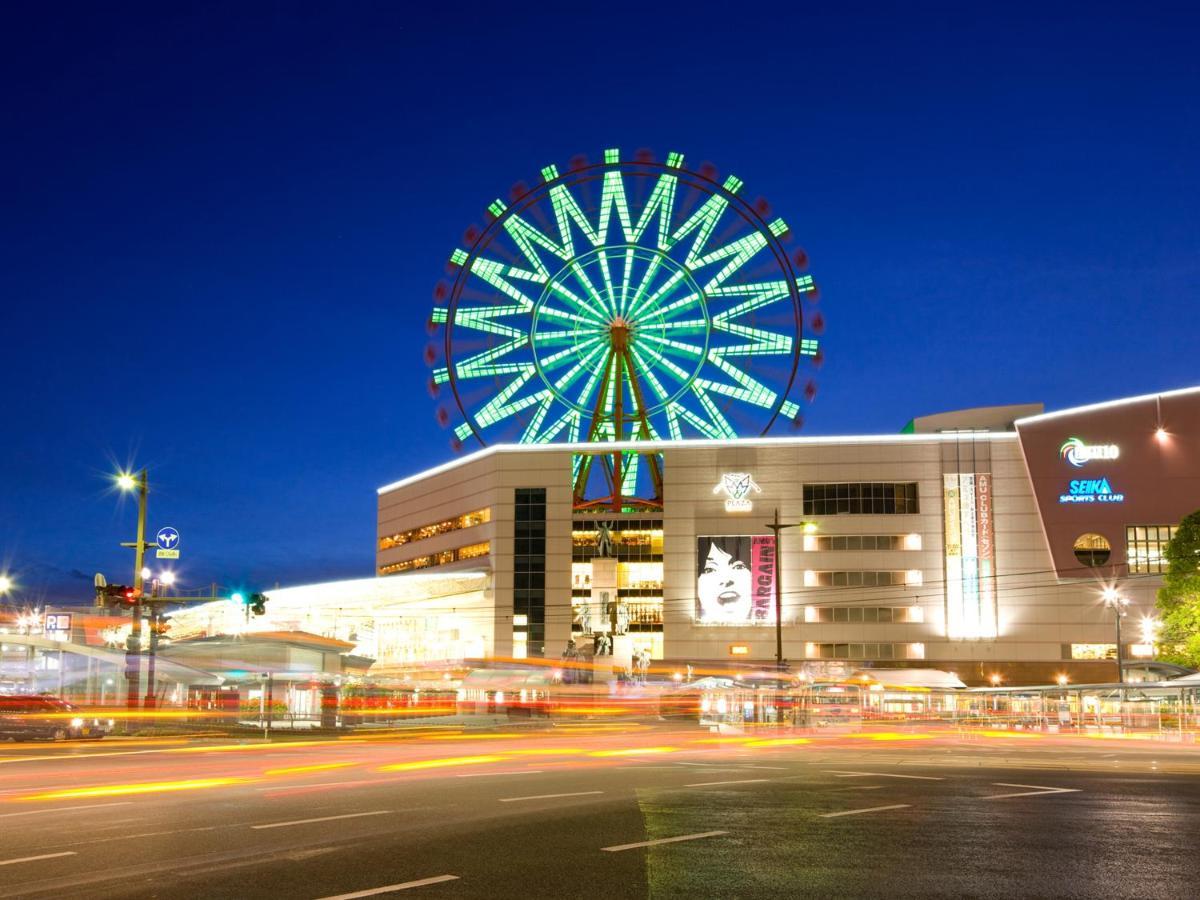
[815, 542]
[860, 578]
[471, 551]
[864, 651]
[861, 498]
[640, 613]
[466, 520]
[822, 615]
[1145, 548]
[639, 540]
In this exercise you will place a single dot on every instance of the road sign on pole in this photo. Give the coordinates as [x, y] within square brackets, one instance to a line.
[167, 538]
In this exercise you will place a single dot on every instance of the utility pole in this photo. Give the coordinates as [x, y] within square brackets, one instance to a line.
[133, 660]
[776, 527]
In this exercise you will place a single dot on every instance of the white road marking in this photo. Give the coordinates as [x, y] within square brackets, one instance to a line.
[841, 773]
[859, 812]
[377, 812]
[549, 796]
[38, 812]
[10, 862]
[670, 840]
[489, 774]
[865, 787]
[387, 889]
[1036, 791]
[739, 781]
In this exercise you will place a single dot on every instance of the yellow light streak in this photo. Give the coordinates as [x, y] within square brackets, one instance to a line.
[152, 787]
[779, 742]
[439, 763]
[633, 751]
[299, 770]
[891, 736]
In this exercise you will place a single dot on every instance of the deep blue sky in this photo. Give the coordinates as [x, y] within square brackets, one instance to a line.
[221, 229]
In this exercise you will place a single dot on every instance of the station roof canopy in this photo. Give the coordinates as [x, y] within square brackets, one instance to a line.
[913, 678]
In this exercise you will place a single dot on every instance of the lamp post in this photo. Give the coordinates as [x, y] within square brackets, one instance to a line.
[776, 527]
[133, 665]
[1117, 604]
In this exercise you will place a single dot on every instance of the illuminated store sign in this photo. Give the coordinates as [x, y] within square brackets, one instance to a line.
[970, 557]
[1076, 452]
[1090, 490]
[737, 487]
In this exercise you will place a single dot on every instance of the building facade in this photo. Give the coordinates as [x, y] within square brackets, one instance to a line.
[981, 542]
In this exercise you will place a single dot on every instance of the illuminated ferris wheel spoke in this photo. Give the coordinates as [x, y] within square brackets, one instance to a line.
[668, 344]
[647, 373]
[609, 294]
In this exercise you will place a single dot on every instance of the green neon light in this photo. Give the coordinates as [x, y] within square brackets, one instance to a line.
[544, 301]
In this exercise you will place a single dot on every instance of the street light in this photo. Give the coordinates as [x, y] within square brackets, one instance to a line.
[6, 584]
[126, 481]
[1117, 604]
[776, 527]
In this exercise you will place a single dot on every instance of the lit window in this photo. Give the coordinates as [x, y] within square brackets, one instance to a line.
[1092, 549]
[1146, 547]
[467, 520]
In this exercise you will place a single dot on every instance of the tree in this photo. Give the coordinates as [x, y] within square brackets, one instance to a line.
[1179, 597]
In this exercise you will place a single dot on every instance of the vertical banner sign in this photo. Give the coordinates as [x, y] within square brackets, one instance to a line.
[954, 584]
[970, 557]
[988, 611]
[762, 555]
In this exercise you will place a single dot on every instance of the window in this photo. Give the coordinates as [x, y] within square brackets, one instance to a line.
[466, 520]
[633, 540]
[865, 651]
[471, 551]
[1092, 549]
[856, 542]
[862, 498]
[856, 579]
[1146, 547]
[1093, 651]
[529, 566]
[870, 615]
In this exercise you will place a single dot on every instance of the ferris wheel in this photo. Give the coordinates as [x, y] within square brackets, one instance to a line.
[624, 300]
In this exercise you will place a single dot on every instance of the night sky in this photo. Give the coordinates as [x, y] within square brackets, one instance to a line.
[221, 231]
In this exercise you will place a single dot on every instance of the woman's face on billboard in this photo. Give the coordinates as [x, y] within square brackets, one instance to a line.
[724, 588]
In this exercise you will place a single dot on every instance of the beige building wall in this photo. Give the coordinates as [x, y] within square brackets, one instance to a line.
[1038, 613]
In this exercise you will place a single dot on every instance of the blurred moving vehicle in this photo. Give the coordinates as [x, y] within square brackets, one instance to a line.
[26, 717]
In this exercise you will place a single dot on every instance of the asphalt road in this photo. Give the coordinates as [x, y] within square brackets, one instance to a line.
[605, 812]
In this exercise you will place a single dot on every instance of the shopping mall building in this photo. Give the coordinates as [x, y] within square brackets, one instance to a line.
[980, 542]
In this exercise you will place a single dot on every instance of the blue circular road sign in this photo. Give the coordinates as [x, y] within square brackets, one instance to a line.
[167, 538]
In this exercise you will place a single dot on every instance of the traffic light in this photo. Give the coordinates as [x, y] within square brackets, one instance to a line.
[119, 596]
[258, 604]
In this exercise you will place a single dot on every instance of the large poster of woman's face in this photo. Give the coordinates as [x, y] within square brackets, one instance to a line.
[735, 579]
